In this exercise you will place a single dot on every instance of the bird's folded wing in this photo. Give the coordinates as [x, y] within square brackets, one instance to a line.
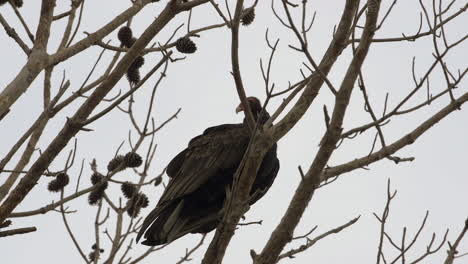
[218, 149]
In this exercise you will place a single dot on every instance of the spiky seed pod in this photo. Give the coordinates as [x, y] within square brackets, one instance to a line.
[135, 204]
[60, 181]
[53, 186]
[133, 75]
[93, 255]
[128, 189]
[138, 62]
[248, 16]
[133, 160]
[63, 179]
[132, 209]
[125, 36]
[186, 45]
[133, 72]
[103, 186]
[143, 200]
[96, 178]
[157, 181]
[115, 163]
[96, 195]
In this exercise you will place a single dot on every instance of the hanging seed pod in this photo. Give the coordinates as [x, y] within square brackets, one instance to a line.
[96, 195]
[133, 76]
[138, 62]
[133, 72]
[96, 178]
[133, 160]
[60, 181]
[132, 210]
[157, 181]
[125, 36]
[93, 255]
[128, 189]
[143, 200]
[248, 16]
[135, 204]
[115, 163]
[186, 45]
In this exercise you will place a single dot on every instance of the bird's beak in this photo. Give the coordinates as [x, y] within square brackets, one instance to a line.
[239, 109]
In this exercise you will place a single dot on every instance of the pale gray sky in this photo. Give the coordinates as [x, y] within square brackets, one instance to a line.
[202, 86]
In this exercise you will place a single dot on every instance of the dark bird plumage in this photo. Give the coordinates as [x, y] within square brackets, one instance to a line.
[200, 175]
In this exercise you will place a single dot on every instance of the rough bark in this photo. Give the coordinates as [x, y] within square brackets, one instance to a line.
[284, 231]
[72, 127]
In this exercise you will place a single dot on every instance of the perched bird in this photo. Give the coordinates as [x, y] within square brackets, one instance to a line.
[200, 175]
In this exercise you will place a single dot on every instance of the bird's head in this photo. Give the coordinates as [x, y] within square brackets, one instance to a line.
[255, 107]
[254, 103]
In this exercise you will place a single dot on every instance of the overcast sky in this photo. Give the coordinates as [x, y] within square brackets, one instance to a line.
[202, 86]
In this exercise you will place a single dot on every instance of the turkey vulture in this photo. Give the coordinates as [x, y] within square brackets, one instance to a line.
[200, 175]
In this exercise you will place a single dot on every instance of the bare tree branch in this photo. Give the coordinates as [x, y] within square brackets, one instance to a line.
[18, 231]
[452, 252]
[310, 242]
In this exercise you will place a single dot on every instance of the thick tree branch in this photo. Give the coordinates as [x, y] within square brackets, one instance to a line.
[237, 201]
[36, 62]
[95, 37]
[39, 60]
[17, 231]
[73, 125]
[404, 141]
[42, 117]
[283, 232]
[314, 82]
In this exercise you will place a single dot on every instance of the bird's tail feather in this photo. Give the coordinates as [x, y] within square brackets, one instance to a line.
[149, 220]
[171, 225]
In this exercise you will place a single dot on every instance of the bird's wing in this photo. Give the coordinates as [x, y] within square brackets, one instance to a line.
[265, 176]
[218, 148]
[176, 163]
